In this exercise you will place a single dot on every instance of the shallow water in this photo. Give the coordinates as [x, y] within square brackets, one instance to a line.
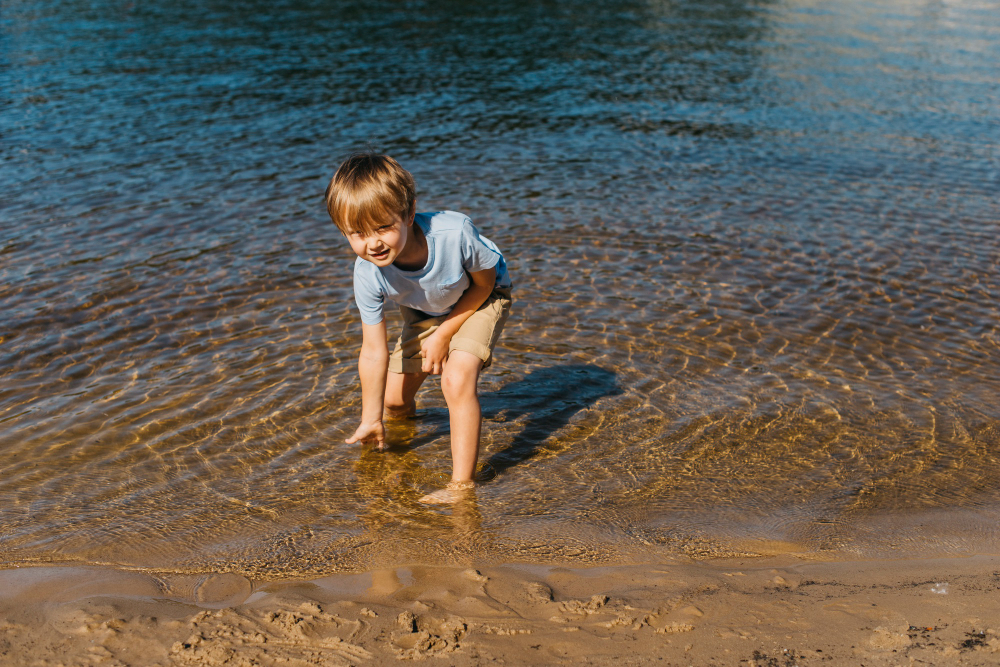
[755, 249]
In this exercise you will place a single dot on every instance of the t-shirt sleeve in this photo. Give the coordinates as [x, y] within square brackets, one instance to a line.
[476, 255]
[369, 296]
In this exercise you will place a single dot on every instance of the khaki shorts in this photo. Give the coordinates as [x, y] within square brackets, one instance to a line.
[478, 335]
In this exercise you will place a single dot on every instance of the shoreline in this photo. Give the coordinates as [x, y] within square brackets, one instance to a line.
[778, 610]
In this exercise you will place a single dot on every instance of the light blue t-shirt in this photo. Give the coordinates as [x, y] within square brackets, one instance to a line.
[454, 247]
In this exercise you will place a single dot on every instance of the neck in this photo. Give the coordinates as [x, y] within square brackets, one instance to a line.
[414, 255]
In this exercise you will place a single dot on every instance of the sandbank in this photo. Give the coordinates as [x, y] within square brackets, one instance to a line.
[775, 611]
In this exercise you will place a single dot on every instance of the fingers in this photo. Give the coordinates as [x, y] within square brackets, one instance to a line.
[357, 437]
[368, 436]
[432, 365]
[432, 368]
[363, 437]
[435, 353]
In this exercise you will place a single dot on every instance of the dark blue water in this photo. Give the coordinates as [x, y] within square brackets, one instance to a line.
[755, 248]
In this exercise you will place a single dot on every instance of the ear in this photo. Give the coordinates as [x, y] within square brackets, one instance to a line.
[412, 213]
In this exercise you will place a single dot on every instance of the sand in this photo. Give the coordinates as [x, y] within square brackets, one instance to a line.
[774, 612]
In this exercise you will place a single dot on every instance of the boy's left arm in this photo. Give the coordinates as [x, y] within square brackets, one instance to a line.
[435, 346]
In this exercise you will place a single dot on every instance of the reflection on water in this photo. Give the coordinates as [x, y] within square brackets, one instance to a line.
[755, 247]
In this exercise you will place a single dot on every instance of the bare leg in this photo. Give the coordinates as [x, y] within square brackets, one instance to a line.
[459, 384]
[400, 389]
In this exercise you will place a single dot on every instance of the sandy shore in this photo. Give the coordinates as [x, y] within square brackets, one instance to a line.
[775, 612]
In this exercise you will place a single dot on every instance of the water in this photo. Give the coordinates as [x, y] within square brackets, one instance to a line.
[755, 249]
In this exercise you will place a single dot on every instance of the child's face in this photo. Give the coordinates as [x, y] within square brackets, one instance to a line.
[385, 245]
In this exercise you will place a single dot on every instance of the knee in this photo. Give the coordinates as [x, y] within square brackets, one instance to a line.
[456, 385]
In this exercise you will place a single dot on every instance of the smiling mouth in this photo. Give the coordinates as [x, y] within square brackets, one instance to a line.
[380, 255]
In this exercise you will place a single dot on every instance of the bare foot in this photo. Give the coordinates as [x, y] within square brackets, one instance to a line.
[451, 494]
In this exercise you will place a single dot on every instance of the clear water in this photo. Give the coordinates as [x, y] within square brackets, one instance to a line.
[755, 248]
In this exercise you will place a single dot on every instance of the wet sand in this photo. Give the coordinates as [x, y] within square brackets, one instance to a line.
[777, 611]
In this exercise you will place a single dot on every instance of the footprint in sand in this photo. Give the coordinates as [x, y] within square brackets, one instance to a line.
[424, 637]
[213, 591]
[222, 590]
[592, 606]
[538, 592]
[299, 636]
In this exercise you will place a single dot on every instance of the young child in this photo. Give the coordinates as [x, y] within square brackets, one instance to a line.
[452, 288]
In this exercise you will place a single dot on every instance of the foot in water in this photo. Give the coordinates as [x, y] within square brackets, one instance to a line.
[451, 494]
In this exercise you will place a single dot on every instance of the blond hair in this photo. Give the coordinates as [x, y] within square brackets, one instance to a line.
[368, 191]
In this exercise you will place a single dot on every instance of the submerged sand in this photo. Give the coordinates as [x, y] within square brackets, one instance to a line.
[778, 611]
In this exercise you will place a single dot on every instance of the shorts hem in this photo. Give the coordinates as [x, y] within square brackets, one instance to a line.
[473, 347]
[406, 365]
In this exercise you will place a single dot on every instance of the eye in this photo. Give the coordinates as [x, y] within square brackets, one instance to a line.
[384, 228]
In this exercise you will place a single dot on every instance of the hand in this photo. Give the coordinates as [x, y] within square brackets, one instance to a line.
[435, 352]
[369, 432]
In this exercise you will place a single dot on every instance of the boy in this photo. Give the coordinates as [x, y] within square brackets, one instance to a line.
[452, 288]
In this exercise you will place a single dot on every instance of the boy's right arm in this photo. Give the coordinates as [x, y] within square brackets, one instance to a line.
[373, 364]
